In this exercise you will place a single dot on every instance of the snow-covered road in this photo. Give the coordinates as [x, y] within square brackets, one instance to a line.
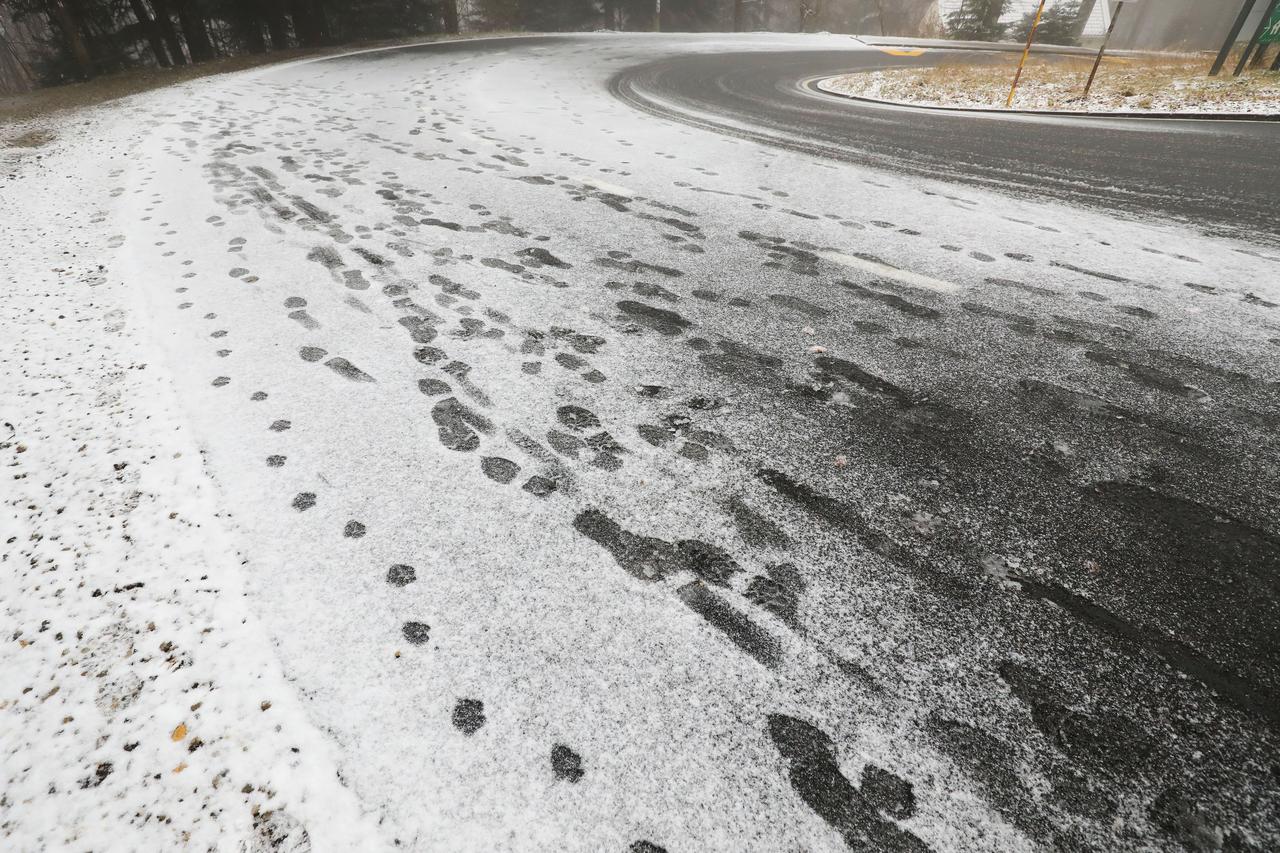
[563, 478]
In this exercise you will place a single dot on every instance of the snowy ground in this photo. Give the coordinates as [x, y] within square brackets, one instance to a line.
[505, 469]
[142, 706]
[1123, 85]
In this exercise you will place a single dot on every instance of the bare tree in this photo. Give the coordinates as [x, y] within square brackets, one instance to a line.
[195, 31]
[68, 23]
[155, 38]
[164, 20]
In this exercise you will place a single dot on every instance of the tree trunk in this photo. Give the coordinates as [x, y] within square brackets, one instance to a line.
[248, 25]
[317, 26]
[15, 72]
[737, 15]
[304, 24]
[164, 20]
[193, 29]
[451, 15]
[322, 21]
[277, 27]
[70, 28]
[154, 37]
[991, 15]
[252, 35]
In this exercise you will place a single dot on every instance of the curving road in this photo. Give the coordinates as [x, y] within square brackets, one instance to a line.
[1221, 176]
[609, 482]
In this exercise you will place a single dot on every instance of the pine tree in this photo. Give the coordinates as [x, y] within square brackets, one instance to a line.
[978, 20]
[1058, 25]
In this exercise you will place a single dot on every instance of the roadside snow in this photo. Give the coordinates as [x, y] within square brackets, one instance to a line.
[141, 704]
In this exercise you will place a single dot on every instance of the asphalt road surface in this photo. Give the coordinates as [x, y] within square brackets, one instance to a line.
[639, 479]
[1220, 176]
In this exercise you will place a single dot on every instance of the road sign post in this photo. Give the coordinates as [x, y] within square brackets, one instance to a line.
[1271, 35]
[1098, 60]
[1231, 37]
[1263, 26]
[1257, 33]
[1026, 50]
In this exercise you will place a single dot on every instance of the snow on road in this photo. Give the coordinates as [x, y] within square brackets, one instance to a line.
[569, 479]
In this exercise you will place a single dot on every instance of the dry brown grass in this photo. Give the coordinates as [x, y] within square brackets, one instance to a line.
[1146, 83]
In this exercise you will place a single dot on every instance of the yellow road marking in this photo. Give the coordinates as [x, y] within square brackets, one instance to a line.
[901, 51]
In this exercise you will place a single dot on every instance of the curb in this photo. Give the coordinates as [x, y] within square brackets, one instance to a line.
[991, 46]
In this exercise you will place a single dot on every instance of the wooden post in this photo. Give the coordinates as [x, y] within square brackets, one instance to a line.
[1026, 50]
[1102, 50]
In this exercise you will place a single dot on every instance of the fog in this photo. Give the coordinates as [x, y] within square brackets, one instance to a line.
[1181, 24]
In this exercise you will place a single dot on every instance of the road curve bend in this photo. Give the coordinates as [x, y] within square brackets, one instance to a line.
[616, 483]
[1222, 176]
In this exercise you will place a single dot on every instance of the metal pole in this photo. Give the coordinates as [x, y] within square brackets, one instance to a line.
[1257, 34]
[1030, 37]
[1231, 38]
[1102, 50]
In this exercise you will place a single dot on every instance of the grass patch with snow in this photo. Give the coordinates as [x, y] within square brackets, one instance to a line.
[1175, 84]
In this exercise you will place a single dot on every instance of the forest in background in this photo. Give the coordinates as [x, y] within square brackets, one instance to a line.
[45, 42]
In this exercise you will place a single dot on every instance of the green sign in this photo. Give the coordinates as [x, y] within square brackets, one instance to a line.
[1271, 33]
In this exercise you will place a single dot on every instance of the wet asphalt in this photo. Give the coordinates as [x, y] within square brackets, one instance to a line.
[907, 482]
[1220, 176]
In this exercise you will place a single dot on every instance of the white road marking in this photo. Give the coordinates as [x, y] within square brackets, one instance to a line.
[608, 187]
[911, 279]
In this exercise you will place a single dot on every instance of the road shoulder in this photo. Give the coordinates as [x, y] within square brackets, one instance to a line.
[143, 700]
